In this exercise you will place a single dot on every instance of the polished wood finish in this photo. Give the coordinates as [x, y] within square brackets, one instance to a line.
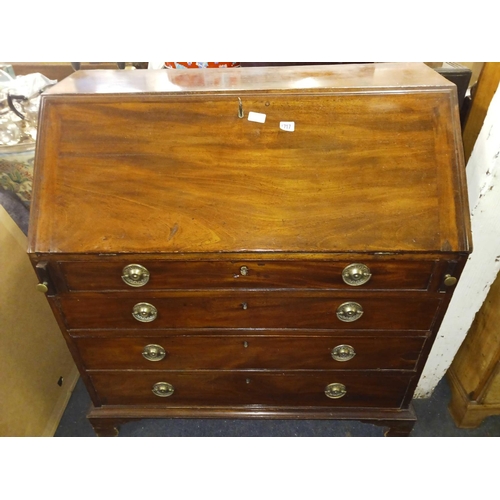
[312, 80]
[474, 375]
[241, 388]
[230, 332]
[177, 172]
[247, 309]
[400, 422]
[210, 352]
[245, 230]
[324, 274]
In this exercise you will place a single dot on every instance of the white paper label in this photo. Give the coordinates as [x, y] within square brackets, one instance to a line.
[287, 126]
[256, 117]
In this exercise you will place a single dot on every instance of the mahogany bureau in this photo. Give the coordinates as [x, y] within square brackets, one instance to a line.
[251, 242]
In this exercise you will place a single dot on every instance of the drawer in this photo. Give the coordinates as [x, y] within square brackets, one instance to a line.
[238, 309]
[162, 275]
[250, 352]
[285, 389]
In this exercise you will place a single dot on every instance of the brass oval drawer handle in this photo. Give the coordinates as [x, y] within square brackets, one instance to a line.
[42, 287]
[343, 352]
[244, 270]
[335, 390]
[450, 280]
[135, 275]
[163, 389]
[154, 352]
[349, 311]
[144, 312]
[356, 274]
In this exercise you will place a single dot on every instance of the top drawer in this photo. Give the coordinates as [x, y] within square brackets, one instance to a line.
[161, 275]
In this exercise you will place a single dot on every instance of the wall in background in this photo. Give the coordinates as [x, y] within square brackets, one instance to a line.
[483, 173]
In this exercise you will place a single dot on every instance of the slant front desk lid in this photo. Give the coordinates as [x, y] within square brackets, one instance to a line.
[348, 158]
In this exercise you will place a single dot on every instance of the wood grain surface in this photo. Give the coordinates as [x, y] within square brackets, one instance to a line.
[311, 352]
[183, 173]
[212, 387]
[246, 309]
[164, 275]
[245, 225]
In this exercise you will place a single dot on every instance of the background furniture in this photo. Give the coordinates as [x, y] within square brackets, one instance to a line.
[38, 373]
[474, 375]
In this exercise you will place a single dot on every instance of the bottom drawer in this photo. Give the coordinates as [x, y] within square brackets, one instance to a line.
[237, 388]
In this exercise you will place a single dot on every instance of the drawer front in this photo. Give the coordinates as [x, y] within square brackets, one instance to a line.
[162, 275]
[292, 389]
[250, 352]
[393, 311]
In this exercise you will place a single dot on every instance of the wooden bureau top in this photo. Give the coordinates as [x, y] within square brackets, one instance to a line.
[293, 79]
[349, 158]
